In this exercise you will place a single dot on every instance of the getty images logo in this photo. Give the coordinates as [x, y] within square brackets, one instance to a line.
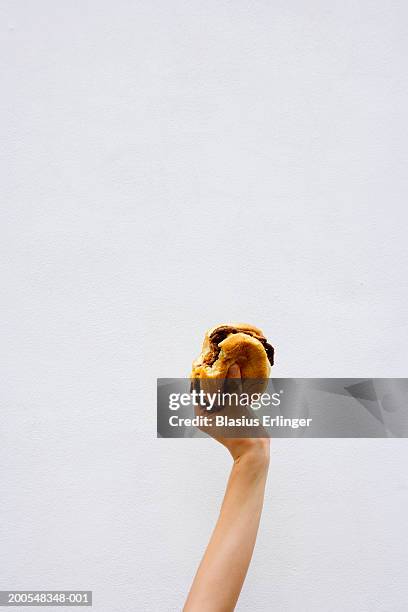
[223, 399]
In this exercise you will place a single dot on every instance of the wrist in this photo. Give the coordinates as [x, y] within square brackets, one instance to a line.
[254, 453]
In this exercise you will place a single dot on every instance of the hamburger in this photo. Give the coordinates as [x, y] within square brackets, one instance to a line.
[225, 345]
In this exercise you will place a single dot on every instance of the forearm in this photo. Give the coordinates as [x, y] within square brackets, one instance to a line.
[223, 568]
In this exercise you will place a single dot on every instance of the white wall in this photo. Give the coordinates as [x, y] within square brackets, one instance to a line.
[171, 165]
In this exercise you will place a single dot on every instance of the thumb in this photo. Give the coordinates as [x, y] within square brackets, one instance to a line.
[234, 379]
[234, 371]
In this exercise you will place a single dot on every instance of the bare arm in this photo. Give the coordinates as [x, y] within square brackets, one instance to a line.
[220, 576]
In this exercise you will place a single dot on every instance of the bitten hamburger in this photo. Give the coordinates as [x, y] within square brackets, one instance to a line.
[225, 345]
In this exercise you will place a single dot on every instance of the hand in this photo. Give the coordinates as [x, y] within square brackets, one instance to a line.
[256, 449]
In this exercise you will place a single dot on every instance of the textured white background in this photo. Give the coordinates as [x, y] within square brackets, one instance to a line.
[168, 166]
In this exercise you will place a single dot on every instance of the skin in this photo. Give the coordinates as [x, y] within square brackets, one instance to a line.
[221, 573]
